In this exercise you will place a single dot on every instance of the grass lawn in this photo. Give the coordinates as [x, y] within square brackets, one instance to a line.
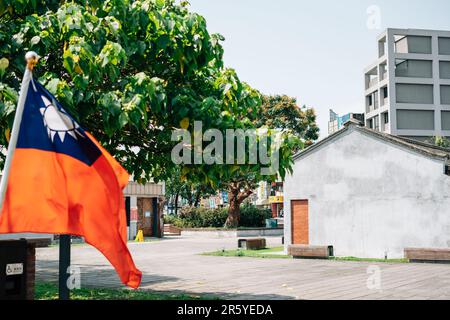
[271, 253]
[276, 253]
[49, 291]
[369, 259]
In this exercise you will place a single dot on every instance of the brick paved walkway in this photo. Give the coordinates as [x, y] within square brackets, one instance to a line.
[174, 265]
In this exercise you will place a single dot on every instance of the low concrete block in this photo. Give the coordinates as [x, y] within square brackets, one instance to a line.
[428, 255]
[252, 244]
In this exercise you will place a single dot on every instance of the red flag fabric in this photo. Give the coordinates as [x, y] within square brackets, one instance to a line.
[63, 182]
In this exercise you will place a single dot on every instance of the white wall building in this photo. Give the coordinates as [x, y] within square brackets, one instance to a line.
[369, 194]
[407, 89]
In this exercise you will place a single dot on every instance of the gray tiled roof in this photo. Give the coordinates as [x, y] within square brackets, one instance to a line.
[414, 145]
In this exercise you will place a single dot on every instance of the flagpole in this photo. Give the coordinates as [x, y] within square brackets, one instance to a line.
[31, 57]
[64, 264]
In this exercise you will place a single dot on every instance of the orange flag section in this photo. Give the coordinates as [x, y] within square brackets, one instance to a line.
[51, 192]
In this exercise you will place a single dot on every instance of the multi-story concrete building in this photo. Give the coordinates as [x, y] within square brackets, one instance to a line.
[337, 122]
[408, 88]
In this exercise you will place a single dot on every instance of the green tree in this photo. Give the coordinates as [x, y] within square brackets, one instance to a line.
[241, 179]
[283, 112]
[300, 130]
[129, 71]
[191, 191]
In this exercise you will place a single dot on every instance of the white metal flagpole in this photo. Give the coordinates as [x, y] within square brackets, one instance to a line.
[31, 58]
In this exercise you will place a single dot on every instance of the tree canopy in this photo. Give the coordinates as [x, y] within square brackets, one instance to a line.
[283, 112]
[131, 72]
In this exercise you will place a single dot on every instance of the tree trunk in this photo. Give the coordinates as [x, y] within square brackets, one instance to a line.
[234, 210]
[190, 198]
[176, 203]
[197, 199]
[234, 216]
[235, 198]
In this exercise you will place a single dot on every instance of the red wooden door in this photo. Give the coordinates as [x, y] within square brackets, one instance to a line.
[299, 222]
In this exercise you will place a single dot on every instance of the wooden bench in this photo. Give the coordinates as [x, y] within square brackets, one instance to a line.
[311, 252]
[252, 244]
[171, 230]
[428, 255]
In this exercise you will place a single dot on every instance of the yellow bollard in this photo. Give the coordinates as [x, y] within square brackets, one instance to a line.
[140, 236]
[7, 134]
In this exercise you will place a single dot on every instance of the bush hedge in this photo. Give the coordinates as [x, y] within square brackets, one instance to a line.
[251, 217]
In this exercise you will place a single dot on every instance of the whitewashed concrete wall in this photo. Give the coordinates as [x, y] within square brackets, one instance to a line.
[367, 197]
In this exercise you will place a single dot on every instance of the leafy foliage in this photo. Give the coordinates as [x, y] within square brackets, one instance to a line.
[282, 112]
[192, 191]
[299, 130]
[129, 71]
[251, 217]
[440, 142]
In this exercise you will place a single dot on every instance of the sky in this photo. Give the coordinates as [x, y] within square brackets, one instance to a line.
[315, 51]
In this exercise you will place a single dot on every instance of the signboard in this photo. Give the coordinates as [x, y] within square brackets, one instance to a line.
[14, 269]
[276, 199]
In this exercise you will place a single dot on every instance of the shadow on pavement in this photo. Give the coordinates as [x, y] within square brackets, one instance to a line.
[102, 277]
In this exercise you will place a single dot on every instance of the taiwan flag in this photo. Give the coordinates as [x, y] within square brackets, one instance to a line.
[63, 182]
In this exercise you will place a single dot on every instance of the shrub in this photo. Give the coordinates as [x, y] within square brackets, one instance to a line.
[189, 217]
[171, 219]
[253, 217]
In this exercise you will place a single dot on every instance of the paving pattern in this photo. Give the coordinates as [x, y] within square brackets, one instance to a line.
[174, 265]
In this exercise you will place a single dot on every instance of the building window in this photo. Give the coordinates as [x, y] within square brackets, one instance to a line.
[386, 118]
[413, 68]
[415, 93]
[445, 94]
[444, 69]
[445, 119]
[415, 119]
[370, 123]
[412, 44]
[444, 46]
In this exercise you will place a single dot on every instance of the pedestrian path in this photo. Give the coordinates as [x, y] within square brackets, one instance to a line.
[175, 265]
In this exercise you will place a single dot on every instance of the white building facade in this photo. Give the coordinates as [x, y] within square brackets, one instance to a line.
[407, 89]
[369, 195]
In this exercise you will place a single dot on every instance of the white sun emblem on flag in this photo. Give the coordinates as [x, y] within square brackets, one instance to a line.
[58, 122]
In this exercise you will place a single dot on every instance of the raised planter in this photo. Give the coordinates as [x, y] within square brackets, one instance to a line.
[171, 230]
[261, 232]
[232, 233]
[209, 233]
